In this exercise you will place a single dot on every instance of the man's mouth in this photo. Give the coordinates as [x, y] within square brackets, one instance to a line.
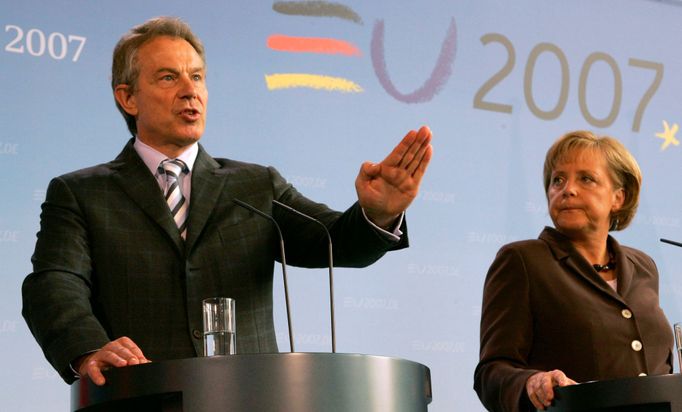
[190, 115]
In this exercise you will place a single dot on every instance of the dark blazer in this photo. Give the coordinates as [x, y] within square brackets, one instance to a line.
[109, 260]
[545, 308]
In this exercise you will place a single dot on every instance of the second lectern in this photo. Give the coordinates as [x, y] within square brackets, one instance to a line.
[643, 394]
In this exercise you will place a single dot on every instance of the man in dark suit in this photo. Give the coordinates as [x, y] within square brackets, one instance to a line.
[127, 250]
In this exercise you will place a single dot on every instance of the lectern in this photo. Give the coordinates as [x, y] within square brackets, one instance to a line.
[299, 382]
[644, 394]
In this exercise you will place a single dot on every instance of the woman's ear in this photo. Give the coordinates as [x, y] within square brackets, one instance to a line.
[618, 199]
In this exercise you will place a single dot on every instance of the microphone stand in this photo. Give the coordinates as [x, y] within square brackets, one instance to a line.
[284, 264]
[331, 265]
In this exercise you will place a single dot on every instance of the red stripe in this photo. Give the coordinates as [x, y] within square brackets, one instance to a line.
[292, 44]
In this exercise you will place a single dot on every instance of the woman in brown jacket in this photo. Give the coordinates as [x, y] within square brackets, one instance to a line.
[573, 305]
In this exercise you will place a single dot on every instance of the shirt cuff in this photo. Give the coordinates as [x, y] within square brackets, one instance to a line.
[71, 365]
[392, 235]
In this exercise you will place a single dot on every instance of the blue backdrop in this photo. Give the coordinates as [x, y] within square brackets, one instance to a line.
[497, 81]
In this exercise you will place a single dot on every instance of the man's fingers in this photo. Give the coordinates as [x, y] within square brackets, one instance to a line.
[108, 357]
[369, 169]
[397, 155]
[409, 151]
[410, 147]
[117, 353]
[92, 368]
[131, 354]
[412, 156]
[421, 169]
[94, 372]
[126, 349]
[128, 343]
[420, 159]
[415, 154]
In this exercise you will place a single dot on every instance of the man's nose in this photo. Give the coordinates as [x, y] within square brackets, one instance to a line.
[188, 89]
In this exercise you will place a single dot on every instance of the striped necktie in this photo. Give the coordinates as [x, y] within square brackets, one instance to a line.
[173, 170]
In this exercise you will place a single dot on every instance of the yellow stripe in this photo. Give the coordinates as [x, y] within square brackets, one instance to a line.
[312, 81]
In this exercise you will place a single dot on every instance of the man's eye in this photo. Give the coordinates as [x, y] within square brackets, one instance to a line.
[197, 77]
[167, 77]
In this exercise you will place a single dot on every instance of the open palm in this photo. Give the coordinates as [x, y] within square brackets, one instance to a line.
[386, 189]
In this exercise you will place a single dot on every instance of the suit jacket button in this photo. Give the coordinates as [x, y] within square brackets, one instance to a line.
[626, 313]
[197, 333]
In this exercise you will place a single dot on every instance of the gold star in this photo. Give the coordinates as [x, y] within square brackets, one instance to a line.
[669, 135]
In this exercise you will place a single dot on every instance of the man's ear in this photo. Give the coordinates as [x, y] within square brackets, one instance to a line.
[126, 99]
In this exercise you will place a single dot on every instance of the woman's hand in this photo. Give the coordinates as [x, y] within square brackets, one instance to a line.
[540, 387]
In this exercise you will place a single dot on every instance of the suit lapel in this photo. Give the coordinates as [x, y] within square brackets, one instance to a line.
[624, 267]
[563, 251]
[208, 181]
[133, 176]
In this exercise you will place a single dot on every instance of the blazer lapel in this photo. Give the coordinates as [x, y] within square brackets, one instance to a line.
[133, 176]
[624, 267]
[563, 251]
[208, 181]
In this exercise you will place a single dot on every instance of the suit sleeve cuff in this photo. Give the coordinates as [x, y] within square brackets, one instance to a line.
[393, 235]
[77, 374]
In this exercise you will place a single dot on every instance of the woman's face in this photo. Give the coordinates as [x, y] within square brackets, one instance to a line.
[582, 195]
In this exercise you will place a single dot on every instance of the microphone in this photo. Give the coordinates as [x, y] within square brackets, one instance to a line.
[331, 264]
[671, 242]
[284, 263]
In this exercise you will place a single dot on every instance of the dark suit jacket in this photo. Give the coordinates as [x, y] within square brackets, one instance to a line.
[545, 308]
[110, 262]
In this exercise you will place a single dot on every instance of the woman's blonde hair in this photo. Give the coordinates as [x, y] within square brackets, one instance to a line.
[622, 167]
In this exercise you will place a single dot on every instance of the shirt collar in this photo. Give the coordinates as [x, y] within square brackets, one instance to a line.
[152, 157]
